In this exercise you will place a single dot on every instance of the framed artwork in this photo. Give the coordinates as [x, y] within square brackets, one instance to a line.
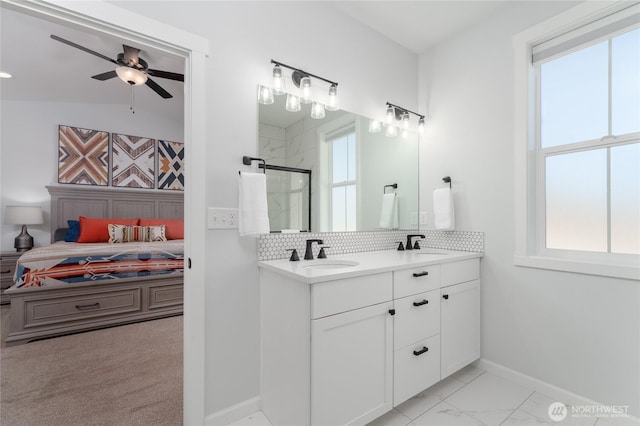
[132, 161]
[170, 165]
[83, 156]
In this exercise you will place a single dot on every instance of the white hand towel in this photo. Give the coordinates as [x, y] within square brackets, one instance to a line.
[389, 211]
[253, 213]
[443, 212]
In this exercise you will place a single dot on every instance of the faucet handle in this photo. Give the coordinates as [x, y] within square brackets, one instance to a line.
[416, 246]
[294, 255]
[322, 254]
[400, 246]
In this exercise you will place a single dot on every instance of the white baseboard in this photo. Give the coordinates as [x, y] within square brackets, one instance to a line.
[233, 413]
[544, 388]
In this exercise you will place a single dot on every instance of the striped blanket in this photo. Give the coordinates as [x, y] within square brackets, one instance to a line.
[65, 263]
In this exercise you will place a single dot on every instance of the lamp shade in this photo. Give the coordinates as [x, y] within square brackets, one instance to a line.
[131, 75]
[23, 215]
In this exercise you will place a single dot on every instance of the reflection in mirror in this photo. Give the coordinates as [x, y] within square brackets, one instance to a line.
[335, 170]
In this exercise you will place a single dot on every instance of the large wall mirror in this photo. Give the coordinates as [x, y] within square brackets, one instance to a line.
[332, 174]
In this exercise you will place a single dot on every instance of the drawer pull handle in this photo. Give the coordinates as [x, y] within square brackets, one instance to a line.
[445, 296]
[7, 271]
[420, 274]
[423, 302]
[91, 306]
[392, 311]
[421, 351]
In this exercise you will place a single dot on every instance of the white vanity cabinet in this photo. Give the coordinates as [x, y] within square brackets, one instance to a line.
[459, 315]
[327, 350]
[345, 348]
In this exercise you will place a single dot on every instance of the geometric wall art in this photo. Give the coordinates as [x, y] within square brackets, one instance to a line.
[170, 165]
[132, 161]
[83, 156]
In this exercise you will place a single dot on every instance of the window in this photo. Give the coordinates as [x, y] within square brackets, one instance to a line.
[579, 145]
[343, 179]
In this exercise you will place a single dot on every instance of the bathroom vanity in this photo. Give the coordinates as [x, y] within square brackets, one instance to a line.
[346, 339]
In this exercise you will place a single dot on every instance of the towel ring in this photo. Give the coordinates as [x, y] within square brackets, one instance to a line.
[394, 186]
[447, 179]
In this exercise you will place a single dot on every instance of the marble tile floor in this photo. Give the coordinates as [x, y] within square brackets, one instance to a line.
[473, 397]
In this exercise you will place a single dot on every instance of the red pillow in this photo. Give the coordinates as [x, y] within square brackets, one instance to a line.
[174, 228]
[95, 230]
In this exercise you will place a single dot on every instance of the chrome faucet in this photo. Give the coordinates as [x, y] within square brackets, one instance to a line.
[308, 253]
[409, 245]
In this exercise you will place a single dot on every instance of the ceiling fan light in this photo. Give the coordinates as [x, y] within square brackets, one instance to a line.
[131, 75]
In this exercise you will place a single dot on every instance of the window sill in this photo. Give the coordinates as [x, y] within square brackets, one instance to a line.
[629, 272]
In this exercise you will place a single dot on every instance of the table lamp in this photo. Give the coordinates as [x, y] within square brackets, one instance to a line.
[23, 215]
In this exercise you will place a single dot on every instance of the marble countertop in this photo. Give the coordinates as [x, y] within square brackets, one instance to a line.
[364, 263]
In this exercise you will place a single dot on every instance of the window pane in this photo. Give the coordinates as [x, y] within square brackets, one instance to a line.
[339, 160]
[625, 84]
[574, 97]
[352, 156]
[576, 210]
[338, 205]
[351, 208]
[625, 199]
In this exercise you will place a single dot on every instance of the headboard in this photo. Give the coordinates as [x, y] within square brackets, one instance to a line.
[70, 202]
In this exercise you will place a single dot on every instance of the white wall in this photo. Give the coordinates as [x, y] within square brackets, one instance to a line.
[244, 36]
[29, 149]
[578, 332]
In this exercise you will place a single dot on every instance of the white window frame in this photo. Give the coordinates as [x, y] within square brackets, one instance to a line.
[329, 140]
[528, 170]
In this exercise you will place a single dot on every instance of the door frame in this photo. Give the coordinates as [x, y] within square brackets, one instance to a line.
[98, 16]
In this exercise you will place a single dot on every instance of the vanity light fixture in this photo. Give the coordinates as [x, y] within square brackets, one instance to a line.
[375, 126]
[293, 103]
[302, 80]
[265, 95]
[398, 113]
[317, 111]
[278, 81]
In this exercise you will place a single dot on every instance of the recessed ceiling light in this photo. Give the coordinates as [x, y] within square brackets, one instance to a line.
[5, 75]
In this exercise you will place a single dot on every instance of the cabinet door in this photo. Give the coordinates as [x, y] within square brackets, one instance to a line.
[351, 366]
[460, 326]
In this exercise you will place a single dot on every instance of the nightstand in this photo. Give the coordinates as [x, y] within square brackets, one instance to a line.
[8, 261]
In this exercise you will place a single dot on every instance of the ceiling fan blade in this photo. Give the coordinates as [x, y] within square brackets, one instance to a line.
[159, 90]
[77, 46]
[105, 75]
[130, 55]
[166, 74]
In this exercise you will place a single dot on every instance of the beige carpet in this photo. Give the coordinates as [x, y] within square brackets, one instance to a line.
[127, 375]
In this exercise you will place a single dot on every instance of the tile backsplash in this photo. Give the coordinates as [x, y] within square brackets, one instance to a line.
[275, 246]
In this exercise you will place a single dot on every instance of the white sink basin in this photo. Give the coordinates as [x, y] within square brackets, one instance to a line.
[330, 264]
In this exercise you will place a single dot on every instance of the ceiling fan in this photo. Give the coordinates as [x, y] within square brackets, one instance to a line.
[130, 68]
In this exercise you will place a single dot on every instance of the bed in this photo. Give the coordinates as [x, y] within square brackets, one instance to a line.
[72, 287]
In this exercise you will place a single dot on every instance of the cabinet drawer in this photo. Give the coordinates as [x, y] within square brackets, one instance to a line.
[417, 317]
[333, 297]
[417, 280]
[53, 311]
[7, 270]
[415, 368]
[460, 272]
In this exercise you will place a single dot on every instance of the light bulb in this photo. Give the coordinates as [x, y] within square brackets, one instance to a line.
[293, 103]
[278, 82]
[390, 115]
[317, 110]
[305, 86]
[375, 126]
[421, 125]
[391, 131]
[265, 95]
[405, 120]
[332, 105]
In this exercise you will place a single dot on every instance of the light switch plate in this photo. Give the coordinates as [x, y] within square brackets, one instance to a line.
[222, 218]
